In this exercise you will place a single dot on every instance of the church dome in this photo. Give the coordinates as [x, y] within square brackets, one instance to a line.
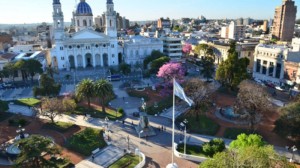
[83, 8]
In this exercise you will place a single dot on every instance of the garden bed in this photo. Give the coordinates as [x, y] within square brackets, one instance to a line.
[202, 126]
[97, 112]
[59, 126]
[86, 141]
[27, 102]
[127, 161]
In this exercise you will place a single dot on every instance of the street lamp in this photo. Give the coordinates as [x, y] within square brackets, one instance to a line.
[294, 149]
[128, 141]
[106, 123]
[20, 131]
[183, 124]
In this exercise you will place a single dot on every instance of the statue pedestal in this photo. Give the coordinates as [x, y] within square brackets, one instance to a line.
[144, 129]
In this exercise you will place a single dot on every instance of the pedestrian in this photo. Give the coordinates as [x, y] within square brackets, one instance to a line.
[123, 122]
[165, 128]
[132, 123]
[93, 157]
[162, 128]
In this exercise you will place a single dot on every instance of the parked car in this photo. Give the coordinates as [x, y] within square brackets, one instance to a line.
[136, 114]
[280, 88]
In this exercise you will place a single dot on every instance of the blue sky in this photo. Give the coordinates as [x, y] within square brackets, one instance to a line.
[35, 11]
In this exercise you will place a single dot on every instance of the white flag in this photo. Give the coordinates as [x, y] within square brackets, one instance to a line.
[178, 91]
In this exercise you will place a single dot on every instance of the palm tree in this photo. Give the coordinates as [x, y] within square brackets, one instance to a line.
[104, 90]
[85, 89]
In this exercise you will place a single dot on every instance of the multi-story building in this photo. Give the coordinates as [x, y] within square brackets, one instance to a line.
[164, 23]
[278, 64]
[224, 32]
[122, 22]
[284, 21]
[172, 47]
[265, 26]
[236, 32]
[136, 48]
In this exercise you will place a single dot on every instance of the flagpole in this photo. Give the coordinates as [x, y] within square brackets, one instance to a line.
[173, 122]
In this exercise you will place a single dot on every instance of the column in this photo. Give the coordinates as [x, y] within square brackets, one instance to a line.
[268, 66]
[274, 70]
[83, 61]
[94, 60]
[75, 61]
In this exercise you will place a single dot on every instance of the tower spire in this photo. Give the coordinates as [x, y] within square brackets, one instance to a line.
[109, 2]
[56, 2]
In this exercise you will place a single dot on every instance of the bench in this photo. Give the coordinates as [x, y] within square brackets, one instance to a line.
[95, 151]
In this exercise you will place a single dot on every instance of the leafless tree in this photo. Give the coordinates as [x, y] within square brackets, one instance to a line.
[200, 92]
[252, 100]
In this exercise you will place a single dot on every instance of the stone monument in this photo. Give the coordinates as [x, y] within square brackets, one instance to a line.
[143, 128]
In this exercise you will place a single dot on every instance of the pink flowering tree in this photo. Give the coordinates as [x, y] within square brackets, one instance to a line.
[187, 48]
[169, 71]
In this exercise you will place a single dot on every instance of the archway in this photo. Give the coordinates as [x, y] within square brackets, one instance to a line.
[72, 62]
[98, 60]
[88, 60]
[105, 60]
[120, 58]
[79, 61]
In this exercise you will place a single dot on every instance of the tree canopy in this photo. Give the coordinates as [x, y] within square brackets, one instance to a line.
[252, 100]
[3, 106]
[155, 54]
[289, 122]
[125, 68]
[104, 90]
[233, 70]
[169, 71]
[47, 87]
[85, 89]
[34, 152]
[157, 63]
[208, 67]
[247, 151]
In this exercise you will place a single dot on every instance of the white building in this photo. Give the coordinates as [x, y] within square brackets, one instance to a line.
[85, 47]
[136, 48]
[236, 32]
[172, 47]
[277, 64]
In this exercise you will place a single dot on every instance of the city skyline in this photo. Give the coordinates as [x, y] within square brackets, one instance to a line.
[33, 11]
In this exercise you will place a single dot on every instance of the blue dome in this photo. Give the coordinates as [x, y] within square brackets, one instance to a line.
[83, 8]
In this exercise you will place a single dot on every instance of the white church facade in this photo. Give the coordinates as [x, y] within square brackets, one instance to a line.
[85, 47]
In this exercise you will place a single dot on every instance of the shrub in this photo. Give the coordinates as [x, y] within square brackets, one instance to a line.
[22, 122]
[11, 122]
[214, 146]
[121, 110]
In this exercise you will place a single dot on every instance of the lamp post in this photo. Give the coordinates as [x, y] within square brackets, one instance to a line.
[20, 131]
[106, 123]
[183, 124]
[294, 149]
[128, 141]
[139, 145]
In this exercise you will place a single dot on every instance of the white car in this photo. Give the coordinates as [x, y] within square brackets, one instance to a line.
[279, 88]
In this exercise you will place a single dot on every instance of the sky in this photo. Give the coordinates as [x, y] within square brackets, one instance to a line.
[37, 11]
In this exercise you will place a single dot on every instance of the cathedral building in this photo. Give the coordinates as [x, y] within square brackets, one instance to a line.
[84, 47]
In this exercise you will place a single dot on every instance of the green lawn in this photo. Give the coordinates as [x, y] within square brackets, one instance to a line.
[27, 102]
[232, 133]
[202, 126]
[127, 161]
[97, 113]
[161, 105]
[86, 141]
[58, 126]
[191, 150]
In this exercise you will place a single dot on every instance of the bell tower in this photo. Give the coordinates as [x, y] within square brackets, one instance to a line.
[58, 20]
[111, 19]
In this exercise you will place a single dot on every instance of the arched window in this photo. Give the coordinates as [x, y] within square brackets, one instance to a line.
[78, 23]
[110, 23]
[90, 22]
[84, 23]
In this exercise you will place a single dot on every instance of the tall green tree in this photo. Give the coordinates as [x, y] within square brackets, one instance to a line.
[21, 66]
[10, 70]
[157, 63]
[244, 141]
[155, 54]
[85, 89]
[33, 67]
[104, 90]
[233, 70]
[47, 87]
[35, 151]
[289, 122]
[208, 67]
